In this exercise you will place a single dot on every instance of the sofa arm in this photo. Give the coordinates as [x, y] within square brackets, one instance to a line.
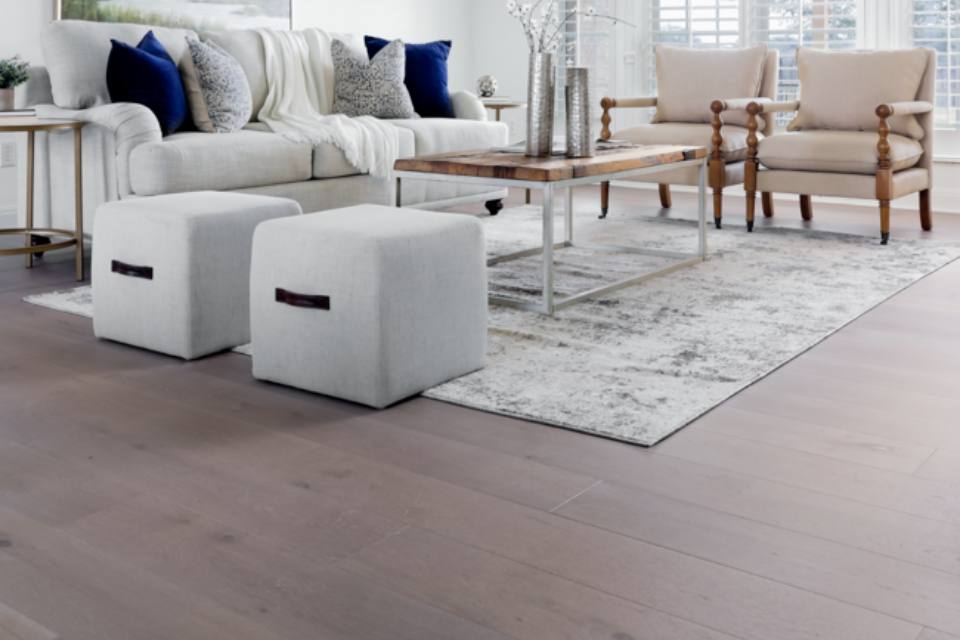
[467, 106]
[37, 89]
[125, 126]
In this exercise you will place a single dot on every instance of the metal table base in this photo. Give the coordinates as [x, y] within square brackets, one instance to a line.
[549, 301]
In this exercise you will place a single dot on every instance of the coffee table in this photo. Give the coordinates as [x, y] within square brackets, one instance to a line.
[507, 168]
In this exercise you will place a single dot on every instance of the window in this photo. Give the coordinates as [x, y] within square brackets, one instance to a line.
[689, 23]
[786, 24]
[936, 24]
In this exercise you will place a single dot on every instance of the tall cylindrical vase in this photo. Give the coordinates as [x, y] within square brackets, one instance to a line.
[541, 96]
[579, 136]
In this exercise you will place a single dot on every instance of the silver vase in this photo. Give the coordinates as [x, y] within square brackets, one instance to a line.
[541, 96]
[580, 142]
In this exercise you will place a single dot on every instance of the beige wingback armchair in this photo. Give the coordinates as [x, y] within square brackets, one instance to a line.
[701, 101]
[863, 129]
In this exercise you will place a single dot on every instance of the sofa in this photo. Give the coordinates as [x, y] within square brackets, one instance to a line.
[126, 156]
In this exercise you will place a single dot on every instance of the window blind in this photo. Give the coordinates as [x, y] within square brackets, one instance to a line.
[936, 24]
[787, 24]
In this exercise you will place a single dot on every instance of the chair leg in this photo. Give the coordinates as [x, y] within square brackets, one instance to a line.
[751, 209]
[766, 199]
[884, 221]
[666, 200]
[806, 207]
[604, 199]
[718, 207]
[926, 220]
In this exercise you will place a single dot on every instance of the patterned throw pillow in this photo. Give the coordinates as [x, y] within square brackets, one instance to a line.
[371, 88]
[217, 88]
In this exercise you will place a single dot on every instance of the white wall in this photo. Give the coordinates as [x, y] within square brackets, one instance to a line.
[411, 20]
[500, 49]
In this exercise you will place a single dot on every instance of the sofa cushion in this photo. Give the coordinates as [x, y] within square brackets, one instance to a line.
[426, 75]
[835, 151]
[688, 80]
[734, 145]
[217, 88]
[246, 47]
[371, 87]
[330, 162]
[146, 74]
[842, 89]
[444, 135]
[76, 52]
[200, 161]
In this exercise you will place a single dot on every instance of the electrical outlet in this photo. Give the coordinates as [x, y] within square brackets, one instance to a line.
[8, 154]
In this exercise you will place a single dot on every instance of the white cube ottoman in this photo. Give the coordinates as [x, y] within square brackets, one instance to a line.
[371, 304]
[171, 273]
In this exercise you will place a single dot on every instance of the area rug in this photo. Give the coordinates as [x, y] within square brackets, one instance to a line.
[640, 364]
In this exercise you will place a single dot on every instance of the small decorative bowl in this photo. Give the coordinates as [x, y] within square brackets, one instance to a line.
[487, 86]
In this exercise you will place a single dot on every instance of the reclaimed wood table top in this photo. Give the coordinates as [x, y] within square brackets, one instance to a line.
[513, 165]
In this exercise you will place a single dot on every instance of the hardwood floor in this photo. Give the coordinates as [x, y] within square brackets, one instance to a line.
[145, 498]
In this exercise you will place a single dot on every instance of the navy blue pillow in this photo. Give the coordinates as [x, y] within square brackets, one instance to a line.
[147, 75]
[426, 77]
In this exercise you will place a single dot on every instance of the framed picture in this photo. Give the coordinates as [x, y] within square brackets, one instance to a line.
[199, 15]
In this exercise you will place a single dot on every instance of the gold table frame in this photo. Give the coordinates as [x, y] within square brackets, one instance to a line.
[59, 238]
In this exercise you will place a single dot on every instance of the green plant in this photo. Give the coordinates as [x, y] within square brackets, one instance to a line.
[13, 72]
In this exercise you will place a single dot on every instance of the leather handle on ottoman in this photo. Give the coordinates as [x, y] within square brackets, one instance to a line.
[131, 270]
[303, 300]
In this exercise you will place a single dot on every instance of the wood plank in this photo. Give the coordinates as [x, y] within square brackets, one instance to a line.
[932, 634]
[921, 595]
[722, 598]
[943, 465]
[497, 473]
[904, 536]
[520, 601]
[900, 492]
[293, 592]
[78, 591]
[16, 626]
[807, 437]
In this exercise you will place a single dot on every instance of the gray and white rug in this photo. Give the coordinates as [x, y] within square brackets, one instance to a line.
[642, 363]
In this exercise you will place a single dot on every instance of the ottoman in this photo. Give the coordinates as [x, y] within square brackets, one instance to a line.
[374, 304]
[171, 273]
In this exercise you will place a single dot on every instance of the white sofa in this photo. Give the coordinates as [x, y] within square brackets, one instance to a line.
[125, 155]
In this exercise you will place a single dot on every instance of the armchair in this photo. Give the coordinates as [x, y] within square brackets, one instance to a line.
[689, 81]
[841, 143]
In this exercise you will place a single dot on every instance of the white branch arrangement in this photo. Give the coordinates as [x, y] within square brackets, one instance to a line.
[543, 22]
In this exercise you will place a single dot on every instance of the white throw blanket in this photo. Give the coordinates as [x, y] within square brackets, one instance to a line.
[299, 74]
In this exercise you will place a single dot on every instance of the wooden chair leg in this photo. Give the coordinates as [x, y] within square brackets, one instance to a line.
[884, 221]
[751, 209]
[604, 199]
[767, 200]
[926, 220]
[806, 207]
[666, 200]
[718, 207]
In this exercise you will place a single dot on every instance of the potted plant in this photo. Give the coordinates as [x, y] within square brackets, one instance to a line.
[13, 72]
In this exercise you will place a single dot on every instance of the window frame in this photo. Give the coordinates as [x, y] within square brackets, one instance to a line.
[881, 24]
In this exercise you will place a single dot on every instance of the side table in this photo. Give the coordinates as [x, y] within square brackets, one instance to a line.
[58, 238]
